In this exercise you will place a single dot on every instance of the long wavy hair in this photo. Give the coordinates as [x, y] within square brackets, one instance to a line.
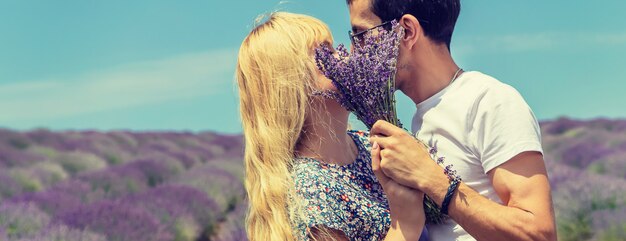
[275, 74]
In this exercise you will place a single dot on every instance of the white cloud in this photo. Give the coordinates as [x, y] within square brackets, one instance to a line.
[129, 85]
[466, 45]
[611, 38]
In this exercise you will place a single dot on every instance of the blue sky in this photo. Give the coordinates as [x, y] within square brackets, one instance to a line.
[168, 65]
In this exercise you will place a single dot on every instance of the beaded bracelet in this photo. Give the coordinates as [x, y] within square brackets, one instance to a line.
[454, 184]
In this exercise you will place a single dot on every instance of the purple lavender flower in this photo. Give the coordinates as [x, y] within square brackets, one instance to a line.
[365, 77]
[133, 177]
[77, 161]
[433, 150]
[584, 153]
[46, 173]
[221, 186]
[115, 183]
[77, 189]
[581, 199]
[14, 139]
[3, 234]
[21, 220]
[117, 220]
[26, 179]
[61, 232]
[560, 126]
[49, 201]
[232, 228]
[441, 160]
[173, 164]
[230, 143]
[47, 138]
[170, 149]
[11, 157]
[174, 204]
[154, 172]
[8, 186]
[614, 165]
[606, 219]
[124, 139]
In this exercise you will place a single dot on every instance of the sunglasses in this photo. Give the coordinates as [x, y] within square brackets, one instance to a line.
[357, 38]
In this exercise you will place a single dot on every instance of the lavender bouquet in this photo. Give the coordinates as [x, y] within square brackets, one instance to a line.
[365, 77]
[365, 82]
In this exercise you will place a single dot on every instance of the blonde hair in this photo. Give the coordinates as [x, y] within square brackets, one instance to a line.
[275, 74]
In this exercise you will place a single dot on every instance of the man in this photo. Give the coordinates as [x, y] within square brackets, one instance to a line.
[481, 126]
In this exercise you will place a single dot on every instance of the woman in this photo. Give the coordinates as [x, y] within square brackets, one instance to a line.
[306, 177]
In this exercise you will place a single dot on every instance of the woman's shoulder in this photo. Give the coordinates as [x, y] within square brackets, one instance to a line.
[362, 138]
[310, 175]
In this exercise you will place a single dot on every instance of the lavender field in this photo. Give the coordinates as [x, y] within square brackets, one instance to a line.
[120, 186]
[188, 186]
[587, 166]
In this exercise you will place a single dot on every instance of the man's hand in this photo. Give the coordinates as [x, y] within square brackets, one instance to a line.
[404, 159]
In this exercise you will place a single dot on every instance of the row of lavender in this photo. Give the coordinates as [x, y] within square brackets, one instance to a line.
[586, 161]
[181, 186]
[120, 186]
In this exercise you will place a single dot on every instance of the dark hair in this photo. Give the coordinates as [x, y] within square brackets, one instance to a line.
[437, 17]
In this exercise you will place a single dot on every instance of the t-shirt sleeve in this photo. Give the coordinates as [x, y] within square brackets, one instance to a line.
[507, 127]
[321, 204]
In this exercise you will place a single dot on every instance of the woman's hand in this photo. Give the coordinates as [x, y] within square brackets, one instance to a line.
[405, 204]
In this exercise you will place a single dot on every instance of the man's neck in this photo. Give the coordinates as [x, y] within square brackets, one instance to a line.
[434, 70]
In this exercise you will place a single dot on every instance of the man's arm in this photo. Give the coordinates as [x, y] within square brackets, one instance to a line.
[522, 185]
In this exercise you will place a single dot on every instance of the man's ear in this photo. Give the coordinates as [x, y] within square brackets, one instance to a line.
[412, 30]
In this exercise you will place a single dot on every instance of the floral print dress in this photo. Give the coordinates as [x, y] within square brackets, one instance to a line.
[346, 198]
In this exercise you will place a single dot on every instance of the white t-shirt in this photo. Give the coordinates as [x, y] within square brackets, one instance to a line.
[477, 123]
